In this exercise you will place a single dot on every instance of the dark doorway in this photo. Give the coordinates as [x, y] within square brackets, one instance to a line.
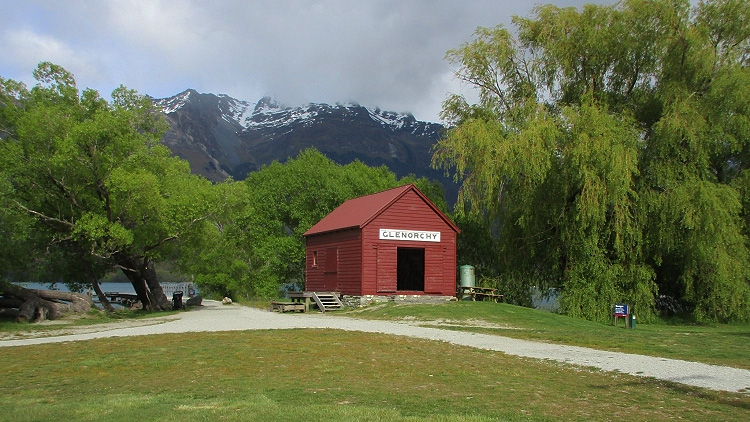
[410, 269]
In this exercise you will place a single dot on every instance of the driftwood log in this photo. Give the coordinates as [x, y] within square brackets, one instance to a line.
[37, 305]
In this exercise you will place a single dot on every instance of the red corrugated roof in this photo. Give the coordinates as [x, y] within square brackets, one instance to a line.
[358, 212]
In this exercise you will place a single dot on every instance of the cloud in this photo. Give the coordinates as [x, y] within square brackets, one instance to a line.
[30, 47]
[386, 53]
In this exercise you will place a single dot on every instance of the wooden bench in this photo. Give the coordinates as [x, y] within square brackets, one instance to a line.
[491, 296]
[495, 297]
[479, 293]
[287, 306]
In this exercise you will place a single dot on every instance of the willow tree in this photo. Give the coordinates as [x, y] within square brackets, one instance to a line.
[94, 183]
[608, 148]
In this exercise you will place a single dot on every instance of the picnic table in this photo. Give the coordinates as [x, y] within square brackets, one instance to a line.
[479, 293]
[298, 301]
[301, 297]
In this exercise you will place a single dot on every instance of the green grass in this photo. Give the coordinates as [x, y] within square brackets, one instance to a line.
[256, 302]
[326, 375]
[720, 344]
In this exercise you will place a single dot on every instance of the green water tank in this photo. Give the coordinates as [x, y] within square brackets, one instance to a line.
[466, 278]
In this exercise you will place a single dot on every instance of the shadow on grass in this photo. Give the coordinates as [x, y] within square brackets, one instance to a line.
[740, 400]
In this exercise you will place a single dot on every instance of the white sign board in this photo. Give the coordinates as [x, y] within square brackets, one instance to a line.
[413, 235]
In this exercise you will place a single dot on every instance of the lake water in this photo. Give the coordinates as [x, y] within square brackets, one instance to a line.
[169, 288]
[545, 301]
[106, 287]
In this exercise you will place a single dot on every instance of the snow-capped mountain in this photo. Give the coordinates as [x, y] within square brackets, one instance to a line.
[221, 136]
[268, 114]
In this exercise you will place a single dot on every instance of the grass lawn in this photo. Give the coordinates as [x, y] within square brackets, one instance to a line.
[330, 375]
[720, 344]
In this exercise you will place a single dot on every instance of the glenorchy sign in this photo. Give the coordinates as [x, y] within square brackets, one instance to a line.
[413, 235]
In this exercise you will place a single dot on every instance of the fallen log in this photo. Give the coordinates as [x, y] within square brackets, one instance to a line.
[9, 312]
[38, 305]
[10, 302]
[79, 302]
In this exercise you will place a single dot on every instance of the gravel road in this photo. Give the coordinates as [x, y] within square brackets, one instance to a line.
[214, 316]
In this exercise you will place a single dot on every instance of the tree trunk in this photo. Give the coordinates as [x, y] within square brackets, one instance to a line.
[106, 304]
[158, 298]
[142, 276]
[139, 285]
[100, 294]
[131, 270]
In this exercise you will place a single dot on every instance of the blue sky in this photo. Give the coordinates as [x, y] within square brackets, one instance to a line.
[379, 53]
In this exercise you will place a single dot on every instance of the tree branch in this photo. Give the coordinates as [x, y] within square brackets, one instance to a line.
[42, 216]
[176, 235]
[66, 192]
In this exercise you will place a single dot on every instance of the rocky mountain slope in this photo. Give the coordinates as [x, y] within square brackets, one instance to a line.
[221, 136]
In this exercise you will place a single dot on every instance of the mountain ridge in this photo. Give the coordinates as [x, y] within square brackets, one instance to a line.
[223, 137]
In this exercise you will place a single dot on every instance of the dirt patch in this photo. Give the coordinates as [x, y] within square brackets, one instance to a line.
[367, 308]
[476, 323]
[66, 328]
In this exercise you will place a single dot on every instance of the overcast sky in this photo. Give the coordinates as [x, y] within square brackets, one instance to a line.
[387, 54]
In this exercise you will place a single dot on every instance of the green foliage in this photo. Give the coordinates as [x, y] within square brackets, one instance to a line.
[607, 152]
[86, 182]
[216, 255]
[697, 226]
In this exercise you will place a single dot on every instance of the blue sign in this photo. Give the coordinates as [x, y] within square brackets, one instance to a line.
[621, 310]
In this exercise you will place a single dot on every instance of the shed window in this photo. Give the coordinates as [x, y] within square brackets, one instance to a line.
[410, 269]
[315, 259]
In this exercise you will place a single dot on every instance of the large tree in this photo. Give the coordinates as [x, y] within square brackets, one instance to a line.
[608, 149]
[92, 181]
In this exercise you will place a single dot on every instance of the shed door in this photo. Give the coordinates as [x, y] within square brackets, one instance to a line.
[386, 270]
[410, 269]
[330, 275]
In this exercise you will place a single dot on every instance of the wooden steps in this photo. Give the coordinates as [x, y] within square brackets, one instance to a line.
[327, 301]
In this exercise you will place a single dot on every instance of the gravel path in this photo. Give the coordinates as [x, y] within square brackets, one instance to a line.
[216, 317]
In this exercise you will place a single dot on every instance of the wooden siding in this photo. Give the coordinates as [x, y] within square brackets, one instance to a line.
[379, 256]
[367, 265]
[348, 270]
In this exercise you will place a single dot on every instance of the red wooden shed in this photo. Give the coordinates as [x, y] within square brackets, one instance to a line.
[393, 242]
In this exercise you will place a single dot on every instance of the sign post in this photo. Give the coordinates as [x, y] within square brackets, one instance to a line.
[622, 310]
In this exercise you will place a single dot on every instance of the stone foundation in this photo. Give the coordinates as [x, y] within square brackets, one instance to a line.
[359, 301]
